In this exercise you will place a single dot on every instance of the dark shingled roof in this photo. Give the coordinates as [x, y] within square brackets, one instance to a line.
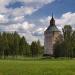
[52, 28]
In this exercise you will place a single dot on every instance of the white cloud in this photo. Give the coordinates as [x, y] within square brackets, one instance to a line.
[4, 2]
[27, 26]
[40, 1]
[19, 18]
[19, 27]
[3, 19]
[22, 11]
[29, 36]
[30, 7]
[67, 18]
[39, 32]
[45, 21]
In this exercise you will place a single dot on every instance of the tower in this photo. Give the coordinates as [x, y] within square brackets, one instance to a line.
[50, 36]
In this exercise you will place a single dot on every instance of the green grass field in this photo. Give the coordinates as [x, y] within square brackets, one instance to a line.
[37, 67]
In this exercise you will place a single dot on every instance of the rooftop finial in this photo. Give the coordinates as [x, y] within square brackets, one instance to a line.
[52, 14]
[52, 21]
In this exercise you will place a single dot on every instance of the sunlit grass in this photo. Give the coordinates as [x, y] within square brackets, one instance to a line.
[37, 67]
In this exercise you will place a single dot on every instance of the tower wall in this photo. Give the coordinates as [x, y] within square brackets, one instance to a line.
[49, 41]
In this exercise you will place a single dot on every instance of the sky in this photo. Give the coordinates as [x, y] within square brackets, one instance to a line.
[30, 18]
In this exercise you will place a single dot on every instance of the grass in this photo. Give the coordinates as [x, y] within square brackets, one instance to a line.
[37, 67]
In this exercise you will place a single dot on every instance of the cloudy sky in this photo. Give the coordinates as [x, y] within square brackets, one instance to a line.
[31, 17]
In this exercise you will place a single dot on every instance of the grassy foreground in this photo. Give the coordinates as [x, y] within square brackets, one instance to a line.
[37, 67]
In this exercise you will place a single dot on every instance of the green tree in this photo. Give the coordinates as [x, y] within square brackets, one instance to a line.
[59, 47]
[65, 47]
[5, 46]
[67, 32]
[73, 44]
[34, 50]
[16, 43]
[24, 47]
[39, 48]
[1, 52]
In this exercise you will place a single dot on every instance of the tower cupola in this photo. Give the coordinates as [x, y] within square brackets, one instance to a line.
[52, 21]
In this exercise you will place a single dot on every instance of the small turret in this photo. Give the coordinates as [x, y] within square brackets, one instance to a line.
[52, 21]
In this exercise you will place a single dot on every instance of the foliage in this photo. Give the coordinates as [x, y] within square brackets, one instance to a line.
[11, 44]
[67, 46]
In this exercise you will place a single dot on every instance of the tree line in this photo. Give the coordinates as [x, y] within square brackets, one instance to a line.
[11, 44]
[66, 46]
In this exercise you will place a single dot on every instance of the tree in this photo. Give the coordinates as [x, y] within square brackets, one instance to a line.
[73, 44]
[66, 46]
[39, 48]
[1, 52]
[16, 43]
[11, 44]
[24, 47]
[34, 50]
[67, 32]
[59, 48]
[5, 46]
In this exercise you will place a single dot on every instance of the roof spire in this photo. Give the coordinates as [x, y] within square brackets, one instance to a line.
[52, 14]
[52, 21]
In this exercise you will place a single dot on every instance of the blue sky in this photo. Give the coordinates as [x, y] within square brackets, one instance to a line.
[30, 18]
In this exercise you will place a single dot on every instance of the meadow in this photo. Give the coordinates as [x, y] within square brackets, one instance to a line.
[37, 67]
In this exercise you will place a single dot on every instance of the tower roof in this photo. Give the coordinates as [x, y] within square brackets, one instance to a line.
[52, 27]
[52, 21]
